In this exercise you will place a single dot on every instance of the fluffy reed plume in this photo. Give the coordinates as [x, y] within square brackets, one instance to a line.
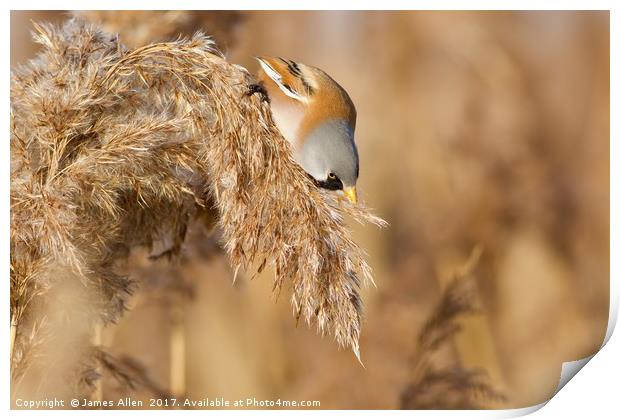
[114, 148]
[453, 386]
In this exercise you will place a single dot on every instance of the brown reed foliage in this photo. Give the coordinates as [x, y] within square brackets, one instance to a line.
[126, 372]
[114, 149]
[142, 27]
[453, 386]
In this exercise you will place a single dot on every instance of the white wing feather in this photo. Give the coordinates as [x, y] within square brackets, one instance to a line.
[277, 78]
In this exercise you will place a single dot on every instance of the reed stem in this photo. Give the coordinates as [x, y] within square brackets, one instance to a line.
[97, 341]
[177, 351]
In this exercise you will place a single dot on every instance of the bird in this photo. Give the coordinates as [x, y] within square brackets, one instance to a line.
[317, 117]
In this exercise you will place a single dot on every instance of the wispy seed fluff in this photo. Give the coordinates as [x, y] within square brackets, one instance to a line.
[113, 148]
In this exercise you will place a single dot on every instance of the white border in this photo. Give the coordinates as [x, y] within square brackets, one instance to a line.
[316, 5]
[594, 392]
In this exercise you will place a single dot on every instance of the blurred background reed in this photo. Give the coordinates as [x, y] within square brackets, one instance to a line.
[484, 142]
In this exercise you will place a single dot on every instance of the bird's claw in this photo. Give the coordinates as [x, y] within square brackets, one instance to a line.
[258, 88]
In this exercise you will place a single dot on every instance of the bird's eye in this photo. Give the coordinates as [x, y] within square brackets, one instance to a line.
[331, 183]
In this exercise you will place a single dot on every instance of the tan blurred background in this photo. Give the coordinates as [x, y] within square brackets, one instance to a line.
[486, 129]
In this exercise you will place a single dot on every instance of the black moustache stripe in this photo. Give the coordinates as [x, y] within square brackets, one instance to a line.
[330, 184]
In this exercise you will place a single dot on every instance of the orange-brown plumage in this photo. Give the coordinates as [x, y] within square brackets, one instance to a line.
[329, 101]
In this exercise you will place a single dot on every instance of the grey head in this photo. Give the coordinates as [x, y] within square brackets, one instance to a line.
[330, 156]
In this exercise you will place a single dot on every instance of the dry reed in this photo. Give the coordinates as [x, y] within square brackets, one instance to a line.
[142, 27]
[115, 148]
[453, 386]
[126, 372]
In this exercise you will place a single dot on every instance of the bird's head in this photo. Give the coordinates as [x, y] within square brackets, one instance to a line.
[316, 115]
[329, 155]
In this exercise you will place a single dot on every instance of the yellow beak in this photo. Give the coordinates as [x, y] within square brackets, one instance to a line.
[351, 194]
